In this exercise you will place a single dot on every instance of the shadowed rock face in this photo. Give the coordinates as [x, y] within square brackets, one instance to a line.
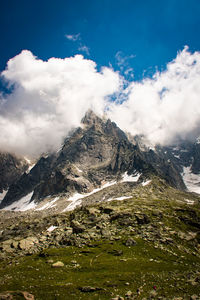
[95, 153]
[11, 168]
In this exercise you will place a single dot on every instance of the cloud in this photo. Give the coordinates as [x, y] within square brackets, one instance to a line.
[73, 37]
[49, 99]
[85, 49]
[165, 108]
[123, 62]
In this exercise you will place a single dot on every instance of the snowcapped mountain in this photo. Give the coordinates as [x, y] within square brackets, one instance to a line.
[186, 158]
[96, 155]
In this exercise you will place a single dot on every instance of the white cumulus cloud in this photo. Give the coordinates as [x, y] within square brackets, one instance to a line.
[164, 108]
[49, 99]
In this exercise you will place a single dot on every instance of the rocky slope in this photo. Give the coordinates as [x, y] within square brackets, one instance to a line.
[96, 153]
[143, 247]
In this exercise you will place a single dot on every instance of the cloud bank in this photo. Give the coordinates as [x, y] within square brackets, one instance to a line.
[49, 98]
[165, 108]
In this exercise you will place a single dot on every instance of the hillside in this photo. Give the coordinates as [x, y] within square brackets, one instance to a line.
[144, 246]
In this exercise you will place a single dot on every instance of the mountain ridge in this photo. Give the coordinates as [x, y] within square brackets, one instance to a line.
[95, 153]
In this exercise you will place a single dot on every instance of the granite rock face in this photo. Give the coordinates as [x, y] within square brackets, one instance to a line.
[11, 168]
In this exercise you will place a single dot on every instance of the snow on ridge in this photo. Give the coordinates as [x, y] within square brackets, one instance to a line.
[51, 228]
[79, 170]
[190, 202]
[130, 178]
[198, 140]
[73, 205]
[192, 181]
[49, 204]
[31, 165]
[144, 183]
[30, 168]
[2, 195]
[76, 199]
[119, 198]
[28, 160]
[23, 204]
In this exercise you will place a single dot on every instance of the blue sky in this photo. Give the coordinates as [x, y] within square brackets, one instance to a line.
[46, 89]
[146, 34]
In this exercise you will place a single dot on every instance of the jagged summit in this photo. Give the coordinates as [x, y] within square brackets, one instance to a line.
[93, 155]
[91, 118]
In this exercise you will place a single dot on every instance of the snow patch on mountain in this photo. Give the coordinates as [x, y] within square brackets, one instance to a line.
[2, 195]
[51, 228]
[190, 202]
[130, 178]
[146, 182]
[76, 198]
[49, 204]
[198, 140]
[120, 198]
[191, 180]
[30, 163]
[23, 204]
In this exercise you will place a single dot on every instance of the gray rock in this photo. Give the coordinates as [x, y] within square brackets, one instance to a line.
[88, 289]
[194, 297]
[105, 233]
[27, 243]
[129, 295]
[7, 246]
[15, 244]
[142, 219]
[77, 227]
[153, 294]
[130, 242]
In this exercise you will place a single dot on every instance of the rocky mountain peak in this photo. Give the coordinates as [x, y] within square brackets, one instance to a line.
[91, 119]
[97, 153]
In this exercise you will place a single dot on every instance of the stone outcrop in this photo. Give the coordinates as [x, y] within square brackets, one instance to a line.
[11, 168]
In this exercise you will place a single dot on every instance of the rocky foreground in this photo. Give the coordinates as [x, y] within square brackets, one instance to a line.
[144, 247]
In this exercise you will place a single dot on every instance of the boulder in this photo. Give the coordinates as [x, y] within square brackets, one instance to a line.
[77, 227]
[130, 242]
[27, 243]
[58, 264]
[88, 289]
[7, 246]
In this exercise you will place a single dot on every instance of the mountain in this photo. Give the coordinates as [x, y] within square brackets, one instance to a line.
[110, 218]
[94, 154]
[186, 159]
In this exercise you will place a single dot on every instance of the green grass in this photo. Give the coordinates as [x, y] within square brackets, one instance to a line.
[112, 267]
[138, 266]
